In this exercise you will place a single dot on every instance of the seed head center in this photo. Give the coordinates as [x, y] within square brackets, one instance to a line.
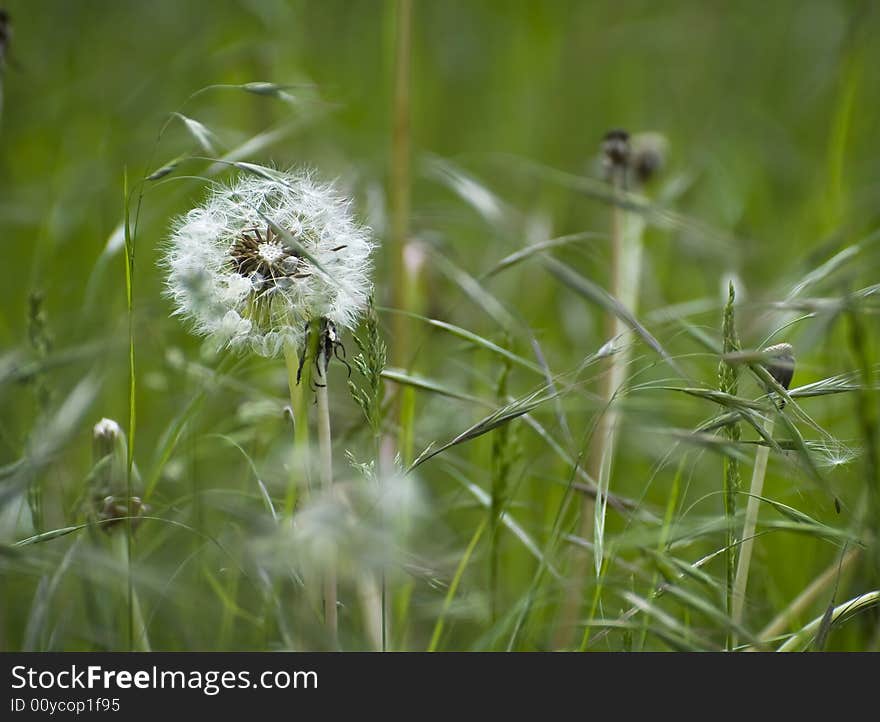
[271, 252]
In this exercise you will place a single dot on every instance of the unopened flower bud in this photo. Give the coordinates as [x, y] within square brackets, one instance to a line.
[779, 362]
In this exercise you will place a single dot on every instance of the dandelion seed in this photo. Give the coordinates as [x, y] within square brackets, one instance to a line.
[234, 275]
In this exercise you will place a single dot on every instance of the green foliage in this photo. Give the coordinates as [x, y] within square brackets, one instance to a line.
[370, 364]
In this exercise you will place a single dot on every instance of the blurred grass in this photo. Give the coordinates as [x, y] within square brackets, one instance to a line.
[771, 120]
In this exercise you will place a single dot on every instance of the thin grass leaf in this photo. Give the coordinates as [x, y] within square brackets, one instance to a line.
[682, 569]
[716, 615]
[675, 642]
[421, 383]
[501, 416]
[473, 338]
[496, 213]
[821, 640]
[48, 440]
[203, 136]
[592, 292]
[588, 485]
[507, 520]
[168, 443]
[259, 144]
[453, 585]
[817, 275]
[164, 170]
[839, 615]
[719, 397]
[533, 249]
[475, 291]
[667, 622]
[264, 493]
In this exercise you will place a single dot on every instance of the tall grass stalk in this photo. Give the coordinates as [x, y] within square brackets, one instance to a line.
[403, 287]
[370, 362]
[40, 342]
[501, 462]
[399, 202]
[751, 519]
[728, 382]
[325, 464]
[132, 406]
[626, 262]
[866, 413]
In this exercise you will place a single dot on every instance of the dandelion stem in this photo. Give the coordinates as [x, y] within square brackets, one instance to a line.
[728, 382]
[745, 554]
[299, 473]
[626, 259]
[325, 452]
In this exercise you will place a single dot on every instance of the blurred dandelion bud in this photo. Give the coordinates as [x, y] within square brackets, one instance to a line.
[265, 256]
[110, 502]
[779, 362]
[633, 160]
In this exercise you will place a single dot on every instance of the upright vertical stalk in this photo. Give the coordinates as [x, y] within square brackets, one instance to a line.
[751, 520]
[866, 412]
[399, 196]
[325, 453]
[299, 471]
[626, 259]
[132, 396]
[501, 463]
[399, 202]
[728, 382]
[370, 363]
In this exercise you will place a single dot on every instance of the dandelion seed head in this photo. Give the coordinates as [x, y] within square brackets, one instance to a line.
[263, 257]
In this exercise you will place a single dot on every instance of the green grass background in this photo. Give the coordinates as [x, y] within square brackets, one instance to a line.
[772, 113]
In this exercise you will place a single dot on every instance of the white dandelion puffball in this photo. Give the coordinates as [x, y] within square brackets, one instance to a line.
[235, 276]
